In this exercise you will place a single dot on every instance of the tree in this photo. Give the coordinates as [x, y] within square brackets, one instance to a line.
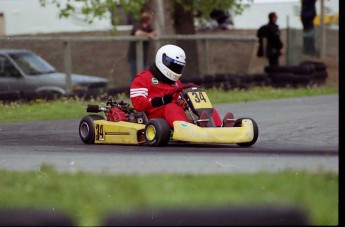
[93, 9]
[183, 12]
[182, 15]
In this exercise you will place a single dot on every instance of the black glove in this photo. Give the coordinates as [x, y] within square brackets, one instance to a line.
[159, 101]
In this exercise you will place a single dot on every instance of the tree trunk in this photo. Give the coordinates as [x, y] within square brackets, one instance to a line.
[184, 24]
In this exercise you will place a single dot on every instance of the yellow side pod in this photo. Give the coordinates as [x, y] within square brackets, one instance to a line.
[184, 131]
[121, 132]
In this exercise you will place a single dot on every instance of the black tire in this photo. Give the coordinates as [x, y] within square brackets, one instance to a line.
[87, 128]
[296, 69]
[319, 66]
[208, 79]
[303, 69]
[118, 90]
[238, 123]
[320, 75]
[277, 69]
[260, 78]
[301, 78]
[220, 78]
[194, 80]
[157, 132]
[319, 78]
[246, 78]
[281, 78]
[233, 80]
[226, 86]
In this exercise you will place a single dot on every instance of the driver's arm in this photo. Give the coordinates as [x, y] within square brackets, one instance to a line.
[139, 94]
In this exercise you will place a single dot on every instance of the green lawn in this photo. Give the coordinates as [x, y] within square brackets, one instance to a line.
[75, 108]
[89, 197]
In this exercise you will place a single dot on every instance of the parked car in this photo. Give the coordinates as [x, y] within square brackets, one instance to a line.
[24, 74]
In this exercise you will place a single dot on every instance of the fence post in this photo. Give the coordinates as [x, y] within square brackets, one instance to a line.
[206, 60]
[68, 65]
[288, 44]
[139, 55]
[323, 30]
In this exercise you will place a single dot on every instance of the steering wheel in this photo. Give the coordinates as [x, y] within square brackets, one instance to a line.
[184, 86]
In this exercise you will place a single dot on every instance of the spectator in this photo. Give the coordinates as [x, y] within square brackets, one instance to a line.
[270, 44]
[144, 29]
[308, 14]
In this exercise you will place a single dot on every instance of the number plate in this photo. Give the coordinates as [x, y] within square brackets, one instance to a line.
[199, 100]
[99, 132]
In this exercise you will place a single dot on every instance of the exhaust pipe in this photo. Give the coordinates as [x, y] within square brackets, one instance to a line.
[93, 108]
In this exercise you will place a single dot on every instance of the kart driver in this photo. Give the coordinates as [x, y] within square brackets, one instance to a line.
[151, 89]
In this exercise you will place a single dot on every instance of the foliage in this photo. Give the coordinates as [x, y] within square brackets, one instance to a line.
[93, 9]
[204, 7]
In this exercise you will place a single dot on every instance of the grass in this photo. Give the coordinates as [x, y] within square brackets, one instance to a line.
[75, 108]
[89, 197]
[268, 93]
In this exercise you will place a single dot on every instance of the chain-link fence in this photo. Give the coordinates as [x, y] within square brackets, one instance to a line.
[307, 45]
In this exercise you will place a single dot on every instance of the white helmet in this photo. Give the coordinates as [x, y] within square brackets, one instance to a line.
[170, 60]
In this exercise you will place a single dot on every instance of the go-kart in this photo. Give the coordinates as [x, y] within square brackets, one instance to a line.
[122, 124]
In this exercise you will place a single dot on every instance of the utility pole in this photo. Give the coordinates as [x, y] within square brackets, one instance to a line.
[68, 65]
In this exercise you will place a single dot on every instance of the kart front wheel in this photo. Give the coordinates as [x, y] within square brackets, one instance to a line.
[238, 123]
[157, 132]
[87, 128]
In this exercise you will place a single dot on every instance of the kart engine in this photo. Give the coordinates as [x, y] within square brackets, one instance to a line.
[118, 111]
[116, 114]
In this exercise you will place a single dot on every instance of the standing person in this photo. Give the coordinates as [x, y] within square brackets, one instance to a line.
[144, 29]
[151, 90]
[270, 44]
[308, 14]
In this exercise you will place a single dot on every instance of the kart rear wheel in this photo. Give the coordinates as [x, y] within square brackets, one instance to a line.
[157, 132]
[238, 123]
[87, 128]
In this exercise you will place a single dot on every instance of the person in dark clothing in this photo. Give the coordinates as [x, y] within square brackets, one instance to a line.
[270, 44]
[308, 14]
[222, 17]
[144, 29]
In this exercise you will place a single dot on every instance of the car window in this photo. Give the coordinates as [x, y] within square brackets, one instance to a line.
[32, 64]
[7, 69]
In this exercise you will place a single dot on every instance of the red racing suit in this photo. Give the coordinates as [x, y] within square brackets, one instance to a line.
[145, 87]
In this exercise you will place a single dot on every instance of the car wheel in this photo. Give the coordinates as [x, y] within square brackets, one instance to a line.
[238, 123]
[87, 128]
[157, 132]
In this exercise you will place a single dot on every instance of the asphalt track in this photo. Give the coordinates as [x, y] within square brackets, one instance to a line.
[294, 134]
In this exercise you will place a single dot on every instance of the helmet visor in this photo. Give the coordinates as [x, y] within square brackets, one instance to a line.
[173, 65]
